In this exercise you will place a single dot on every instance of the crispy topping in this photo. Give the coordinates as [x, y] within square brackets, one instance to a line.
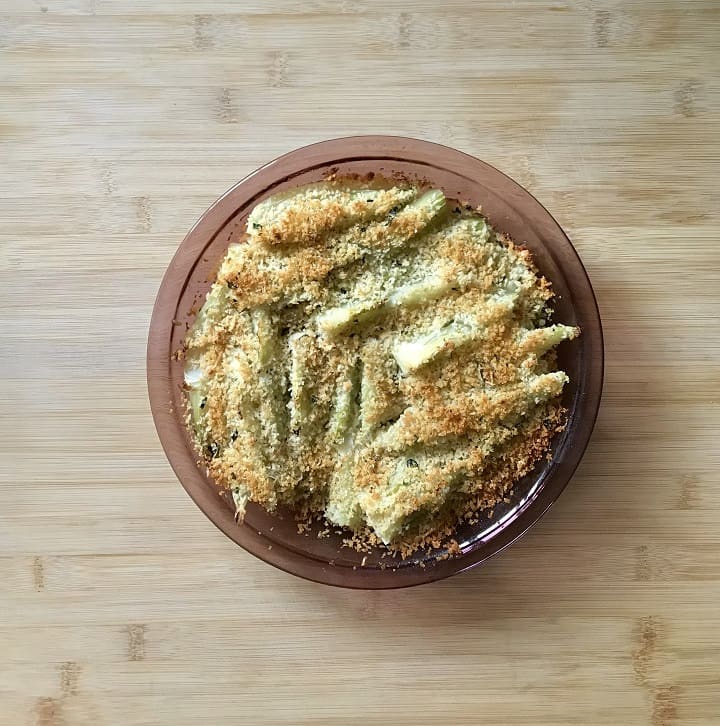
[371, 354]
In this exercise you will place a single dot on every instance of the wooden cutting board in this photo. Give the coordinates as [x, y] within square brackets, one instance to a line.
[120, 121]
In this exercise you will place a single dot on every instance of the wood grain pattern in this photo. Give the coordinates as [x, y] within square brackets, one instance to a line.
[120, 121]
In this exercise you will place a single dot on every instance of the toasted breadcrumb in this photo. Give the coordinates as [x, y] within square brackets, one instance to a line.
[298, 394]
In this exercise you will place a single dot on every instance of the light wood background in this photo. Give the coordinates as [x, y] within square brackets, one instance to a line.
[120, 121]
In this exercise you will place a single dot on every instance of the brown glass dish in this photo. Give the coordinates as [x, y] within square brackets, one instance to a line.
[274, 538]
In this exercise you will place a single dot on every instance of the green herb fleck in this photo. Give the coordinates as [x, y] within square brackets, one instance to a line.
[391, 215]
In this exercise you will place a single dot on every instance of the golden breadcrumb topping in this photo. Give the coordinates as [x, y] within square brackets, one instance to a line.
[375, 355]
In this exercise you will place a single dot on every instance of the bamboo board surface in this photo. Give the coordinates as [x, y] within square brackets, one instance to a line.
[119, 123]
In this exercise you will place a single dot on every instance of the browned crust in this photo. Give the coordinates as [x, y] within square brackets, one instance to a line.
[441, 404]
